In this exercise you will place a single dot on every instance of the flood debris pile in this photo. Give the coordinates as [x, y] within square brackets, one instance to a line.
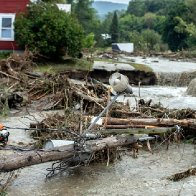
[58, 91]
[58, 127]
[137, 123]
[14, 67]
[14, 78]
[49, 91]
[146, 110]
[10, 100]
[82, 101]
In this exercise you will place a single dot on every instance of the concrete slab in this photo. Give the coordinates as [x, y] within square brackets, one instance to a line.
[102, 65]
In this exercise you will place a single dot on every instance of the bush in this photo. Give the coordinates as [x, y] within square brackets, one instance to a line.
[4, 55]
[152, 39]
[49, 31]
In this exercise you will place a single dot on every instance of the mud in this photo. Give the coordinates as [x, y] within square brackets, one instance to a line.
[135, 76]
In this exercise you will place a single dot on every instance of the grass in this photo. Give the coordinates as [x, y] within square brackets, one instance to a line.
[68, 64]
[141, 67]
[81, 64]
[4, 55]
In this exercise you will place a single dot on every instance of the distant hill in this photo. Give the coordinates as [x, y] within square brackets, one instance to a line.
[103, 7]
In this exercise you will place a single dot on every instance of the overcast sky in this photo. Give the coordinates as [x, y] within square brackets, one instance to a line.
[116, 1]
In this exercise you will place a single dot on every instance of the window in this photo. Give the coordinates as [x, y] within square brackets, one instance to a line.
[7, 27]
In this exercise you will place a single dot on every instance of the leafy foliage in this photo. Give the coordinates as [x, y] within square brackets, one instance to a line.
[114, 29]
[173, 21]
[89, 41]
[86, 15]
[49, 31]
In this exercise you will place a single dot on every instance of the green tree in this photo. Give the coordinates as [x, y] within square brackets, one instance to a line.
[49, 31]
[70, 1]
[136, 38]
[191, 4]
[136, 7]
[191, 40]
[86, 15]
[152, 39]
[114, 28]
[89, 41]
[131, 23]
[174, 32]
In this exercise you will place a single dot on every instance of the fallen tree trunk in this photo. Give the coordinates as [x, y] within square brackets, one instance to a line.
[190, 123]
[132, 131]
[27, 158]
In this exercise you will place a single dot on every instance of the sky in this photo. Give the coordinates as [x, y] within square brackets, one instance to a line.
[116, 1]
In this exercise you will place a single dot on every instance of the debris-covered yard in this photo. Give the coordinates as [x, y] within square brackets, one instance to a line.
[126, 131]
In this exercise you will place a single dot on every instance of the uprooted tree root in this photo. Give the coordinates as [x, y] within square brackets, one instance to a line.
[179, 176]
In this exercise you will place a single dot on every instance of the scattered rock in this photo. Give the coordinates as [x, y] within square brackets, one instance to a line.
[192, 88]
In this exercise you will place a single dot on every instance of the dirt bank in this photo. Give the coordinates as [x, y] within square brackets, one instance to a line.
[135, 76]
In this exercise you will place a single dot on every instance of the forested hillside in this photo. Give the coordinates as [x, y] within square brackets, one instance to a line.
[152, 25]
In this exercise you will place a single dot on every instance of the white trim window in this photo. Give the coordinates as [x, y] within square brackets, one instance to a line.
[7, 27]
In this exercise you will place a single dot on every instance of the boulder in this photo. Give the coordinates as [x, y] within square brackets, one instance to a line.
[191, 90]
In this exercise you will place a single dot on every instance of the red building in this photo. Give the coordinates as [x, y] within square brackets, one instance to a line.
[8, 11]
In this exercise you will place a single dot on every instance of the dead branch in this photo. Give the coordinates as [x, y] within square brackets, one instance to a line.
[182, 175]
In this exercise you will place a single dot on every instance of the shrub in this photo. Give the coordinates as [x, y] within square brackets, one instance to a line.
[48, 31]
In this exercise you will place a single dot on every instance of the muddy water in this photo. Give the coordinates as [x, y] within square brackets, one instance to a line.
[163, 65]
[169, 97]
[20, 136]
[145, 175]
[168, 72]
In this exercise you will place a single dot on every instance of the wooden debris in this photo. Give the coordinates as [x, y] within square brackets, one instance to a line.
[16, 64]
[189, 123]
[179, 176]
[27, 158]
